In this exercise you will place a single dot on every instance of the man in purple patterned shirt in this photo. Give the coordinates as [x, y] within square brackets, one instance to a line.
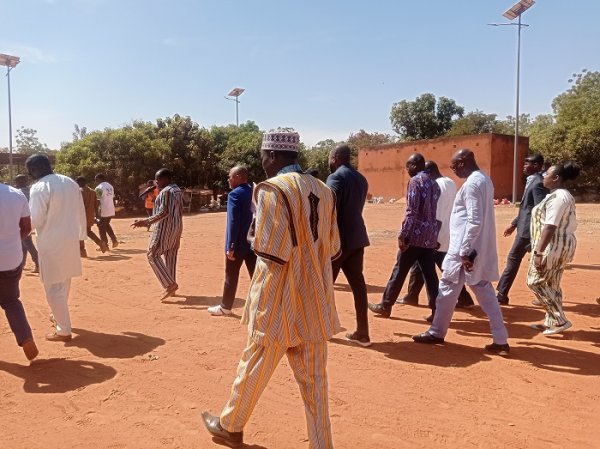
[417, 239]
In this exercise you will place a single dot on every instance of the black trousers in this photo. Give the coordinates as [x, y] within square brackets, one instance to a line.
[415, 282]
[105, 228]
[519, 248]
[13, 308]
[232, 276]
[93, 236]
[404, 261]
[351, 263]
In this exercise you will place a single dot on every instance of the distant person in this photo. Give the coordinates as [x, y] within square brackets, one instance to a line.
[106, 196]
[237, 248]
[58, 216]
[166, 232]
[290, 308]
[15, 225]
[553, 225]
[472, 257]
[418, 237]
[89, 204]
[534, 193]
[21, 182]
[151, 192]
[350, 188]
[443, 212]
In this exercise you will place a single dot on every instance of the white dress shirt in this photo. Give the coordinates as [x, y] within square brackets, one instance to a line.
[444, 210]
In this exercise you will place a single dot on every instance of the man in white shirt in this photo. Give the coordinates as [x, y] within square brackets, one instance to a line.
[106, 195]
[443, 211]
[15, 225]
[58, 216]
[472, 257]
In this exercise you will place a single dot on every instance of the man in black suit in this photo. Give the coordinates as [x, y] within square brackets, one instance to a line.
[350, 188]
[534, 193]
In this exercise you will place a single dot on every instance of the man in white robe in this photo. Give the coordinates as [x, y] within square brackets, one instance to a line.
[58, 216]
[472, 257]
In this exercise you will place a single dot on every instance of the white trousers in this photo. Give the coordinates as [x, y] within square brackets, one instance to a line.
[57, 296]
[486, 297]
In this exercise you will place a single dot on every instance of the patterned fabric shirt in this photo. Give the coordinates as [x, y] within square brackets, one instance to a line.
[420, 226]
[291, 297]
[167, 217]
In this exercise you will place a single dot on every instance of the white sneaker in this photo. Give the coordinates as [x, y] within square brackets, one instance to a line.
[557, 329]
[218, 311]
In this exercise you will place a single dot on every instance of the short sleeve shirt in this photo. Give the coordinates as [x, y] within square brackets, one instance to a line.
[13, 207]
[106, 194]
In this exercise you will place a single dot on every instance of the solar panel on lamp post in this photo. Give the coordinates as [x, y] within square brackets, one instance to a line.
[514, 12]
[10, 62]
[235, 93]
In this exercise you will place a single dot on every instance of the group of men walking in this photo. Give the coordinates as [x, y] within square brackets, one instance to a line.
[295, 234]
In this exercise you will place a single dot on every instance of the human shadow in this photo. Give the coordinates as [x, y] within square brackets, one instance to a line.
[557, 358]
[59, 375]
[581, 266]
[370, 288]
[243, 446]
[126, 345]
[120, 250]
[592, 310]
[199, 302]
[447, 355]
[110, 257]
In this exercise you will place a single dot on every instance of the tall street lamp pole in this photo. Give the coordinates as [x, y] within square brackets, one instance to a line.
[10, 62]
[235, 93]
[512, 13]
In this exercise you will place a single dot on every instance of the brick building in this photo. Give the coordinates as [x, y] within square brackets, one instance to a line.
[384, 165]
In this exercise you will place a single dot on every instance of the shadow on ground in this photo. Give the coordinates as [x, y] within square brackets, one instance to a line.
[126, 345]
[59, 375]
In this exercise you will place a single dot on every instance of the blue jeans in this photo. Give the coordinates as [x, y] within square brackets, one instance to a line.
[29, 247]
[13, 308]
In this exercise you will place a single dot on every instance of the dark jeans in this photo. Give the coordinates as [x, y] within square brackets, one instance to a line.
[404, 261]
[105, 228]
[29, 247]
[351, 263]
[232, 275]
[519, 248]
[415, 282]
[93, 236]
[13, 308]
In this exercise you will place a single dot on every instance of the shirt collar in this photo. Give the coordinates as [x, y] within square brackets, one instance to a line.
[292, 168]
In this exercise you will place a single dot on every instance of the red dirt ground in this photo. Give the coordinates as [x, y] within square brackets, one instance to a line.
[139, 372]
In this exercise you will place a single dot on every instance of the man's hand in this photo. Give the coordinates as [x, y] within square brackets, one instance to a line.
[139, 224]
[508, 231]
[466, 263]
[538, 261]
[402, 245]
[229, 255]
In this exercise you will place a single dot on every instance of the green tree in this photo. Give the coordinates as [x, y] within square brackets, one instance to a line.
[476, 122]
[28, 142]
[317, 157]
[425, 117]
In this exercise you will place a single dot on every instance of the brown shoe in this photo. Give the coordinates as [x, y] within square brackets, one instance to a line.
[56, 337]
[30, 349]
[213, 425]
[169, 291]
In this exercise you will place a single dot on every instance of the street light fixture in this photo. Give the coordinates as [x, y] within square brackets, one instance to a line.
[514, 12]
[10, 62]
[235, 93]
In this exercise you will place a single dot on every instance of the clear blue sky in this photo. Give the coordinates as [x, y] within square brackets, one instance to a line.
[324, 67]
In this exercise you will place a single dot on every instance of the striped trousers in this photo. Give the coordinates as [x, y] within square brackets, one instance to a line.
[164, 262]
[545, 284]
[309, 364]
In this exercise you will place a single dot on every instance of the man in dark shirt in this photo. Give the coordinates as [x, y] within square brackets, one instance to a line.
[418, 237]
[237, 248]
[534, 193]
[350, 188]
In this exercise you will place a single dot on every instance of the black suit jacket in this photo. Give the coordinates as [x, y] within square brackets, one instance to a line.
[533, 195]
[350, 188]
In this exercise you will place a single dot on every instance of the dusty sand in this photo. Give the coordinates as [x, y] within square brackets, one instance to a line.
[139, 372]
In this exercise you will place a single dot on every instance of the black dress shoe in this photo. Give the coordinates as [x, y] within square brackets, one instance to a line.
[429, 318]
[222, 436]
[495, 348]
[426, 337]
[466, 305]
[502, 299]
[380, 310]
[406, 301]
